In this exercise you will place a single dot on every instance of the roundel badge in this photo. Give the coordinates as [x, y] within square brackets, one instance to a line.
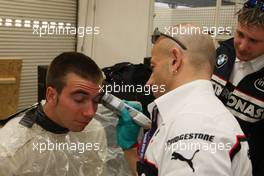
[221, 60]
[259, 84]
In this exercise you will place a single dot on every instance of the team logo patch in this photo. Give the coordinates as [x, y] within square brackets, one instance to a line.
[221, 60]
[178, 156]
[259, 84]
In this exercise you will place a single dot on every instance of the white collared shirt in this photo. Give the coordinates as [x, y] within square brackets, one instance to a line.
[192, 122]
[242, 69]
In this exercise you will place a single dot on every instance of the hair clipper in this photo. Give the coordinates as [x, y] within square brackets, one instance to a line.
[116, 105]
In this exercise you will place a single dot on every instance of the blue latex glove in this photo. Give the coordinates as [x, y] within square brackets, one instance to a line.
[127, 130]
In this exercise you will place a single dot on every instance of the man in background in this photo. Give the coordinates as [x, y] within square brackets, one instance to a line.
[238, 78]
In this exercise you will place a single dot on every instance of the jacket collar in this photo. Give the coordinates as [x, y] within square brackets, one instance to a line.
[175, 100]
[46, 123]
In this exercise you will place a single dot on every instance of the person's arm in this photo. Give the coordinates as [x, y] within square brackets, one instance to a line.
[127, 134]
[132, 158]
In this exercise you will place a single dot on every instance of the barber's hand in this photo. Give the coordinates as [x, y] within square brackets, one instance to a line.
[127, 129]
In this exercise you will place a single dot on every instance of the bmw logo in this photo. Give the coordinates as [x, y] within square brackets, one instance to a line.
[221, 60]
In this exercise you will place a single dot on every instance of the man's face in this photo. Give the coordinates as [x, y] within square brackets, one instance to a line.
[76, 104]
[249, 42]
[160, 72]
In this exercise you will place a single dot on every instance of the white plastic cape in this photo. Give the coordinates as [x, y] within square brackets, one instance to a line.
[34, 151]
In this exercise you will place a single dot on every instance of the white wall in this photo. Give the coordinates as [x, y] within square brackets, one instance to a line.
[125, 28]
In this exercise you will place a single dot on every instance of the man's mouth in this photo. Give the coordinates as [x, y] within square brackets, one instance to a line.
[83, 122]
[242, 53]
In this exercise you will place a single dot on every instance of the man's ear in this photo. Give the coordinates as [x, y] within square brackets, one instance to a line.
[51, 95]
[176, 59]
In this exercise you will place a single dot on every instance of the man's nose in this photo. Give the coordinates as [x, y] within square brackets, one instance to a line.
[243, 45]
[90, 110]
[150, 81]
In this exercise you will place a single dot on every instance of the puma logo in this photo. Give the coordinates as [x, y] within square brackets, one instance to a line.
[176, 156]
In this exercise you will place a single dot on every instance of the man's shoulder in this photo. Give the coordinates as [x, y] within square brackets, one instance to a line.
[226, 49]
[12, 127]
[209, 113]
[13, 136]
[227, 43]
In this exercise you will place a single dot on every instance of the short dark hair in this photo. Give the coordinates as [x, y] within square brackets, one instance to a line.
[72, 62]
[252, 16]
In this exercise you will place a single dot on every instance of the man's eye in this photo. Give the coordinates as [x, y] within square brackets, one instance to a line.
[240, 34]
[253, 40]
[79, 99]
